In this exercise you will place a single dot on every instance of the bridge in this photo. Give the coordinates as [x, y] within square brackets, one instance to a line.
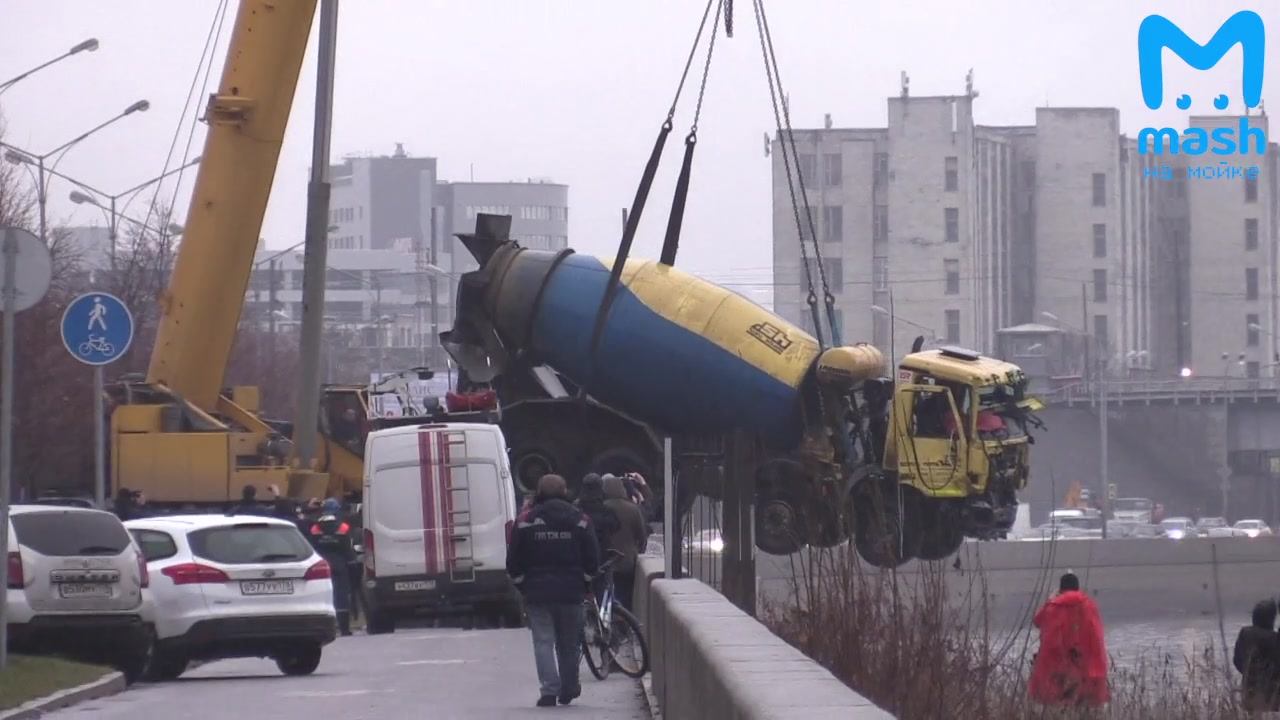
[1175, 391]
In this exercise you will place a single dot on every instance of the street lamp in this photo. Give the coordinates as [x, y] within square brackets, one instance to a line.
[18, 156]
[89, 45]
[933, 335]
[110, 208]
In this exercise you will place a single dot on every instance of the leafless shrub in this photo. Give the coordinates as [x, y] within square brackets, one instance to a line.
[922, 646]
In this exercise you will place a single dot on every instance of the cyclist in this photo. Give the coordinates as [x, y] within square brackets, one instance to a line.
[629, 539]
[603, 520]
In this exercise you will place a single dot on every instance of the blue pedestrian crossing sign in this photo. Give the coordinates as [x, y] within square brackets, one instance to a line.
[97, 328]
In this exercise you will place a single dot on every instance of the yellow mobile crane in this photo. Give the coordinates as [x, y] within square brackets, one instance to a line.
[179, 436]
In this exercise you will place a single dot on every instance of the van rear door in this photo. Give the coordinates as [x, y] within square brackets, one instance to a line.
[429, 494]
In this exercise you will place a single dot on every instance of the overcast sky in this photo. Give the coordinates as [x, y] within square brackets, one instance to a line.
[574, 90]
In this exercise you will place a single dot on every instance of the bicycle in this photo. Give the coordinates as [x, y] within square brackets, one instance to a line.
[608, 628]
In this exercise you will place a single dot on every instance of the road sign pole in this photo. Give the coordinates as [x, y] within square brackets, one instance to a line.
[6, 427]
[99, 441]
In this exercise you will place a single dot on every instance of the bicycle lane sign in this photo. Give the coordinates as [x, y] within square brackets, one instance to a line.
[97, 328]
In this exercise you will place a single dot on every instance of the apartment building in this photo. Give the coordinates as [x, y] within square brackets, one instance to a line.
[972, 229]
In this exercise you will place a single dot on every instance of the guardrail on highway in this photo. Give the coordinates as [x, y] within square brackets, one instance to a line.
[712, 661]
[1196, 390]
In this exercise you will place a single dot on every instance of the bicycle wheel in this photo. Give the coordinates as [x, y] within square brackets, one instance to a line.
[595, 645]
[627, 645]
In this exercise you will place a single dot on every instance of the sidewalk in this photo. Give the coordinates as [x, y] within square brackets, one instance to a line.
[436, 674]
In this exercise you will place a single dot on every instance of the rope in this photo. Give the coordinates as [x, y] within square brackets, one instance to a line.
[772, 59]
[812, 298]
[689, 62]
[206, 56]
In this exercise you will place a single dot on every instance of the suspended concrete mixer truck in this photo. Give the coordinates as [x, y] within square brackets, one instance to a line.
[683, 358]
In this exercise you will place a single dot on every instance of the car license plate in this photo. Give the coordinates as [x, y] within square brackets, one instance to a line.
[266, 587]
[412, 585]
[84, 590]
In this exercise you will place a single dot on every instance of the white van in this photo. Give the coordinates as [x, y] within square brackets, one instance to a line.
[438, 503]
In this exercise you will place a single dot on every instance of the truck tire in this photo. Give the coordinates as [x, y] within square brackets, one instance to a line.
[937, 527]
[878, 534]
[780, 524]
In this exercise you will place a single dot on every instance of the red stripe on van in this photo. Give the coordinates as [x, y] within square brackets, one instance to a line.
[446, 483]
[426, 466]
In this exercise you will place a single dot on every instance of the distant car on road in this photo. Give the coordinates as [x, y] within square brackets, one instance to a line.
[1138, 510]
[235, 586]
[77, 585]
[1216, 527]
[1178, 528]
[1253, 528]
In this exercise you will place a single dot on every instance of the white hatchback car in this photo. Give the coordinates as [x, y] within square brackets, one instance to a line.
[77, 586]
[235, 586]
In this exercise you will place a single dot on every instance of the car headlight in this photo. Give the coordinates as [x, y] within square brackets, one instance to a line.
[717, 545]
[1176, 534]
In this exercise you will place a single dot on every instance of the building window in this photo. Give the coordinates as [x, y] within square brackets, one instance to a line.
[880, 273]
[1251, 189]
[1099, 190]
[1100, 331]
[1251, 369]
[952, 268]
[1252, 330]
[835, 273]
[1099, 285]
[880, 224]
[952, 216]
[953, 326]
[833, 224]
[952, 174]
[833, 165]
[1251, 284]
[1251, 234]
[1099, 240]
[808, 167]
[880, 173]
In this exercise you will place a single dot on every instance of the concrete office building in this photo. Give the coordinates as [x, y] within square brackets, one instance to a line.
[376, 200]
[1062, 224]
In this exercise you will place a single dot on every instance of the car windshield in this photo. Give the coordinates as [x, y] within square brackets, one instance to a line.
[250, 543]
[1174, 524]
[1131, 504]
[1249, 524]
[63, 533]
[1212, 522]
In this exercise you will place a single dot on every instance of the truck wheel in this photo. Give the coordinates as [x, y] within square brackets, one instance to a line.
[878, 533]
[780, 525]
[937, 527]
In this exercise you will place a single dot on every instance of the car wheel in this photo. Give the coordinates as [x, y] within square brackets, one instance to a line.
[166, 666]
[301, 660]
[137, 658]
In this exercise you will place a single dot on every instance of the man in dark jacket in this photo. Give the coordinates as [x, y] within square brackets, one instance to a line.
[331, 536]
[1257, 652]
[630, 539]
[603, 521]
[552, 555]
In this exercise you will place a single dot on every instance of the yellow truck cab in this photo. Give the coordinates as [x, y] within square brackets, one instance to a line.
[957, 445]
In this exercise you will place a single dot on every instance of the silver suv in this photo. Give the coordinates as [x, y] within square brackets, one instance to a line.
[75, 587]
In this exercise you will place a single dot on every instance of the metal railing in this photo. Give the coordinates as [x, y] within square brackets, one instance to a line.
[1197, 390]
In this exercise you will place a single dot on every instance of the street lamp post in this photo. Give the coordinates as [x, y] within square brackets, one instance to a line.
[893, 317]
[18, 156]
[110, 208]
[90, 45]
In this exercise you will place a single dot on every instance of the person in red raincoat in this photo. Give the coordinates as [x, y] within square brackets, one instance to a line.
[1071, 666]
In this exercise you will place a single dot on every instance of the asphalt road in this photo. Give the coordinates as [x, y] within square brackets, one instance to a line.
[437, 674]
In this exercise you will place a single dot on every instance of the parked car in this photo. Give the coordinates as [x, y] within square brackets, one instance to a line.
[235, 586]
[77, 586]
[435, 528]
[1138, 510]
[1178, 528]
[705, 541]
[1253, 528]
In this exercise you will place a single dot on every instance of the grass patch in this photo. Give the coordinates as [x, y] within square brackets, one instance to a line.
[28, 678]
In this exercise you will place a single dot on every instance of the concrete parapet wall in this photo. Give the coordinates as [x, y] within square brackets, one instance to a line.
[711, 661]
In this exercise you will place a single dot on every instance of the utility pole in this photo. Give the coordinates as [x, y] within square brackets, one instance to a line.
[315, 263]
[1103, 450]
[1084, 327]
[435, 297]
